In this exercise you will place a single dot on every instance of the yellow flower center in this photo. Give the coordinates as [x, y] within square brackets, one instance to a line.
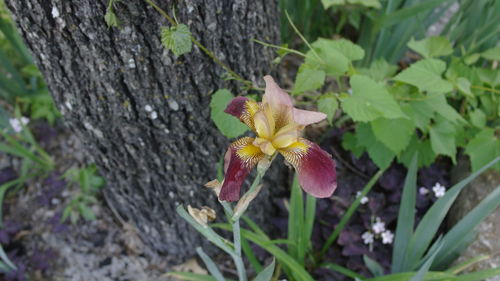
[269, 137]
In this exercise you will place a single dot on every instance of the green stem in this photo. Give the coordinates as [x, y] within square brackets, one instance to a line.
[280, 48]
[162, 12]
[486, 89]
[303, 38]
[238, 260]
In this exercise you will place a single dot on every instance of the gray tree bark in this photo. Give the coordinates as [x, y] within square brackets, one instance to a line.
[103, 79]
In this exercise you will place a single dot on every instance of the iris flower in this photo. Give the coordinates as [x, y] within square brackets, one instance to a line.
[277, 125]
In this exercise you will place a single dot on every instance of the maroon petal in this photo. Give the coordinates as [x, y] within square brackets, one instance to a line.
[315, 167]
[241, 157]
[236, 107]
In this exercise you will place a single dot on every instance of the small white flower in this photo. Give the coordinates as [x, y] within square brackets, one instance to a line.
[154, 115]
[439, 190]
[55, 12]
[423, 191]
[387, 237]
[363, 200]
[148, 108]
[378, 226]
[17, 124]
[367, 237]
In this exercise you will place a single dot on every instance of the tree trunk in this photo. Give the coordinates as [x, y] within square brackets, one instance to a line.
[103, 79]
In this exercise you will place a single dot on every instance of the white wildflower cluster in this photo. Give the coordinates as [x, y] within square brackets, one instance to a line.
[364, 200]
[438, 190]
[17, 123]
[377, 231]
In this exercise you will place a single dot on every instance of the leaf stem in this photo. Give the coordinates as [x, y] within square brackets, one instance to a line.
[280, 48]
[486, 89]
[302, 37]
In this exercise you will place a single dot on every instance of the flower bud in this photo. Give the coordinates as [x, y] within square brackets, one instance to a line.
[203, 216]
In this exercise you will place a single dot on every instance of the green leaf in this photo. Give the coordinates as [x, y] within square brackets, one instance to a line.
[267, 273]
[370, 101]
[279, 254]
[350, 50]
[420, 275]
[340, 269]
[442, 136]
[328, 104]
[330, 60]
[395, 134]
[463, 85]
[426, 76]
[379, 70]
[350, 142]
[374, 267]
[455, 236]
[111, 18]
[426, 155]
[435, 46]
[437, 102]
[86, 211]
[308, 79]
[483, 148]
[379, 153]
[489, 76]
[492, 54]
[477, 118]
[177, 39]
[406, 217]
[227, 124]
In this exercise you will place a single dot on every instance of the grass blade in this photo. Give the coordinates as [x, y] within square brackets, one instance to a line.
[420, 276]
[406, 217]
[431, 221]
[295, 220]
[267, 273]
[209, 263]
[374, 267]
[247, 250]
[286, 260]
[340, 269]
[454, 237]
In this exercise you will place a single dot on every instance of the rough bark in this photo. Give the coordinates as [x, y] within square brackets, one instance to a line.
[103, 78]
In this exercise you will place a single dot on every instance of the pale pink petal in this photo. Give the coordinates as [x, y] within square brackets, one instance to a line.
[315, 168]
[306, 117]
[274, 95]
